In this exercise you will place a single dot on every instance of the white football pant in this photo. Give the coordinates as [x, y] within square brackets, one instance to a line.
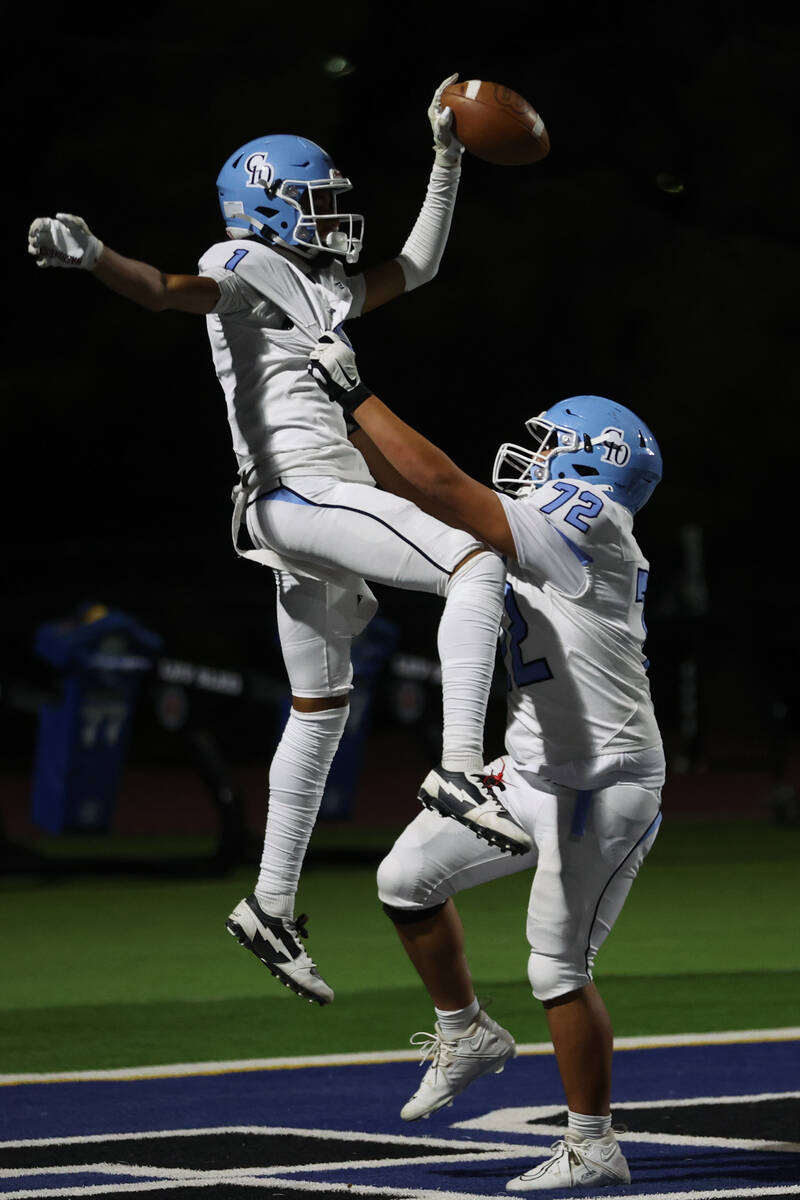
[387, 540]
[588, 848]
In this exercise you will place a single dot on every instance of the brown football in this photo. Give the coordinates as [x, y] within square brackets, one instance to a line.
[496, 124]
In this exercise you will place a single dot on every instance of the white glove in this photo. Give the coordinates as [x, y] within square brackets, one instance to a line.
[447, 146]
[332, 363]
[63, 241]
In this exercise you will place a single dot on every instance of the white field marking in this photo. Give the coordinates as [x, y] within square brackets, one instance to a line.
[417, 1160]
[395, 1139]
[748, 1193]
[317, 1186]
[518, 1121]
[703, 1039]
[539, 1111]
[518, 1125]
[174, 1070]
[536, 1112]
[117, 1189]
[234, 1174]
[102, 1168]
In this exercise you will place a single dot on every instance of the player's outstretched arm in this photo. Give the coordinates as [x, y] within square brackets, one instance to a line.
[449, 493]
[66, 241]
[418, 261]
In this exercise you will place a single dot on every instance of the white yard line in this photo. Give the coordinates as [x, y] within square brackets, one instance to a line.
[174, 1070]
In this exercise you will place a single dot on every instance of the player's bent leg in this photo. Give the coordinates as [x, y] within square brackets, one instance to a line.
[264, 922]
[431, 861]
[579, 889]
[588, 1155]
[583, 878]
[434, 859]
[433, 938]
[315, 640]
[389, 540]
[583, 1040]
[456, 1061]
[467, 644]
[297, 777]
[459, 788]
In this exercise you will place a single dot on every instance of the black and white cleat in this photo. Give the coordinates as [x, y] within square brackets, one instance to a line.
[468, 797]
[275, 941]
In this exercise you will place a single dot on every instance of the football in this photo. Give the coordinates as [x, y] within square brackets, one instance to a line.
[496, 124]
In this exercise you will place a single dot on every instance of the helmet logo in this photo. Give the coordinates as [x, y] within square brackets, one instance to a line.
[261, 171]
[615, 449]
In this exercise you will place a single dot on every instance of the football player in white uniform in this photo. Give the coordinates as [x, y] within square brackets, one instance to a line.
[268, 291]
[584, 764]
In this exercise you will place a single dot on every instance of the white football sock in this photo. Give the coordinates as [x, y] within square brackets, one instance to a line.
[467, 643]
[455, 1024]
[588, 1128]
[297, 777]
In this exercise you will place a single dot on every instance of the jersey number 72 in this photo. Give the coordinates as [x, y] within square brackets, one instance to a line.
[523, 673]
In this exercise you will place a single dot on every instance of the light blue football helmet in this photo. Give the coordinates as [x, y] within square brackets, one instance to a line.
[285, 189]
[584, 437]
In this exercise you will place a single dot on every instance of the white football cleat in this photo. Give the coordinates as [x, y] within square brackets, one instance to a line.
[468, 797]
[485, 1047]
[576, 1162]
[276, 942]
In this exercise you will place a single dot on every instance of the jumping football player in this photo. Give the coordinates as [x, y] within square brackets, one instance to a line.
[305, 495]
[584, 764]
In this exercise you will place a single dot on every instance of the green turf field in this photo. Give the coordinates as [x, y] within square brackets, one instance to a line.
[123, 970]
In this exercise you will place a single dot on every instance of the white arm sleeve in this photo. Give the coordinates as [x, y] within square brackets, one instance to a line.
[424, 247]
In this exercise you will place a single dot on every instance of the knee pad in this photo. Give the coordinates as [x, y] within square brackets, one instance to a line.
[552, 977]
[402, 887]
[394, 883]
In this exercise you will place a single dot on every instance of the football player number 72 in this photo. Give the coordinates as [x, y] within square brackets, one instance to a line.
[586, 506]
[536, 670]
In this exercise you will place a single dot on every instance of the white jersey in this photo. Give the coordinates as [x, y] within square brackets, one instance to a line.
[272, 309]
[578, 686]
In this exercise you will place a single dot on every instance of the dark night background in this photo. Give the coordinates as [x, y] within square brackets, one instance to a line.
[588, 272]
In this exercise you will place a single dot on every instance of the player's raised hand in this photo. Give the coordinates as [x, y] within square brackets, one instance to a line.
[447, 147]
[63, 241]
[332, 363]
